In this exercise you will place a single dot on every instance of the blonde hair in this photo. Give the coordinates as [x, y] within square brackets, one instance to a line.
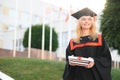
[92, 31]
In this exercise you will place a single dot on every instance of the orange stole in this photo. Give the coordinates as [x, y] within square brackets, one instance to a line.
[99, 43]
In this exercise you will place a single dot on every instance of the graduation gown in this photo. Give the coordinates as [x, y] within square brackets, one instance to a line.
[98, 50]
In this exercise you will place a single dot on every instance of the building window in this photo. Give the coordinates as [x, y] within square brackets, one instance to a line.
[36, 20]
[0, 10]
[13, 13]
[11, 28]
[5, 10]
[25, 19]
[18, 46]
[64, 39]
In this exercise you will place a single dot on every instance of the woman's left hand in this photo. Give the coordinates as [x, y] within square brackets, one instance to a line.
[91, 64]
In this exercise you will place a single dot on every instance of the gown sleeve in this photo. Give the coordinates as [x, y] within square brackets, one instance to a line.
[68, 68]
[68, 52]
[103, 61]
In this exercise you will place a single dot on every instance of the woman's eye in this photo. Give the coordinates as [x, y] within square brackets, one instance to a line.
[83, 19]
[89, 19]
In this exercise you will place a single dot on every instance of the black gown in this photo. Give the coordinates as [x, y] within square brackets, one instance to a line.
[98, 50]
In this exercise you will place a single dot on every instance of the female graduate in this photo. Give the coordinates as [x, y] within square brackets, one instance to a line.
[88, 44]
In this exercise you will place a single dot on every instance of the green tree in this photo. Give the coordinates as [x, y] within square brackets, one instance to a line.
[36, 37]
[110, 23]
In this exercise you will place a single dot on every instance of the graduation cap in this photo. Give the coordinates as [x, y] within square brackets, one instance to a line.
[84, 12]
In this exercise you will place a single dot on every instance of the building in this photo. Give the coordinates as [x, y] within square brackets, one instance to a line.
[17, 15]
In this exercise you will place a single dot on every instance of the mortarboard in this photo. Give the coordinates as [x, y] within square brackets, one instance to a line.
[84, 12]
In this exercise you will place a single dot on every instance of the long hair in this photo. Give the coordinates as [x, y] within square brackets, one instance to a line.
[92, 31]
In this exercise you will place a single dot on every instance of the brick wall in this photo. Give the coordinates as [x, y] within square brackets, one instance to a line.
[35, 53]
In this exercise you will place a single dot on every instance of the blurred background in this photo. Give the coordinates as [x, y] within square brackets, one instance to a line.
[18, 16]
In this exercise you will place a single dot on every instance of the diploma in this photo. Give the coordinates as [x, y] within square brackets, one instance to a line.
[79, 61]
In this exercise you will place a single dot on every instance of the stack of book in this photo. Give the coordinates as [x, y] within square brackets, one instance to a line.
[79, 61]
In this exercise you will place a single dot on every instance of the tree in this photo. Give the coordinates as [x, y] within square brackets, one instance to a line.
[36, 37]
[110, 23]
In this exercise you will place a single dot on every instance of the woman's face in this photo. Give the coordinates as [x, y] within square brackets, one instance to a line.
[86, 22]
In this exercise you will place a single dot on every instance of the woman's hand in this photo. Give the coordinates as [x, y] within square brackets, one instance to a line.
[91, 64]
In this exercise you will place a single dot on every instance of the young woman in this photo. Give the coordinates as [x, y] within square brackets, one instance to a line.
[88, 44]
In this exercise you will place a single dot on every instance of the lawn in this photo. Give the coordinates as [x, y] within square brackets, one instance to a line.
[31, 69]
[36, 69]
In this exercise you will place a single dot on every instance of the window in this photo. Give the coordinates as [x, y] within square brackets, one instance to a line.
[5, 10]
[11, 28]
[13, 13]
[25, 19]
[19, 46]
[64, 39]
[0, 10]
[35, 19]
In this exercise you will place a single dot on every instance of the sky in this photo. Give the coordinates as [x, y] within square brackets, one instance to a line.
[96, 5]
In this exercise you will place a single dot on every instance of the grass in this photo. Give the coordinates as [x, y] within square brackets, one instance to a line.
[31, 69]
[116, 74]
[36, 69]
